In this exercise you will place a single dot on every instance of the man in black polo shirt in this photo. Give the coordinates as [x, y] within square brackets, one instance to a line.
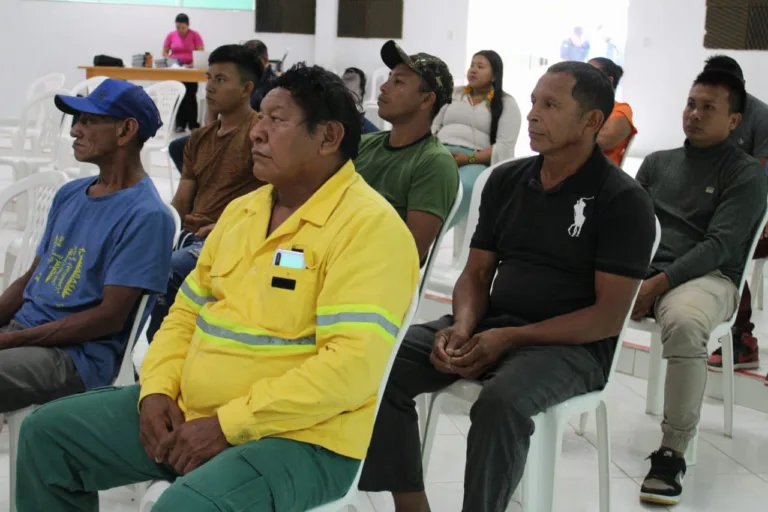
[570, 236]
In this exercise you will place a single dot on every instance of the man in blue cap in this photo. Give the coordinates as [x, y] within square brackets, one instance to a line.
[65, 322]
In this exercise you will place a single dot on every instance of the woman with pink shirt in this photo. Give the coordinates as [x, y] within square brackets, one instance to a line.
[179, 45]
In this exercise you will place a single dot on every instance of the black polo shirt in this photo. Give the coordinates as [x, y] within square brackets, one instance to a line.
[551, 242]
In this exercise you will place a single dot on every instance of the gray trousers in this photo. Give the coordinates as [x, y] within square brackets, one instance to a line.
[35, 375]
[526, 382]
[687, 315]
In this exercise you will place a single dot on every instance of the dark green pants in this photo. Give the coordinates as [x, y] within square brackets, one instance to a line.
[73, 447]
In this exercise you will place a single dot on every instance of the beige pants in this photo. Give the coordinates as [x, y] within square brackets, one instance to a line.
[687, 315]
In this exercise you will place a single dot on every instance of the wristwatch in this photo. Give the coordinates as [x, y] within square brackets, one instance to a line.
[472, 158]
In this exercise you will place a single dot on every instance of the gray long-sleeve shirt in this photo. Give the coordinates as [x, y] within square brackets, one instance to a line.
[709, 203]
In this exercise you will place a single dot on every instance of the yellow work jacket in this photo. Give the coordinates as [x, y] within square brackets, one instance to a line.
[286, 352]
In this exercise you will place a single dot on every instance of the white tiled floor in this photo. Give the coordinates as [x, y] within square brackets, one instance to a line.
[730, 474]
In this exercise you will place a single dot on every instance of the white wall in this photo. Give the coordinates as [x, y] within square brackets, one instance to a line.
[39, 37]
[438, 27]
[665, 51]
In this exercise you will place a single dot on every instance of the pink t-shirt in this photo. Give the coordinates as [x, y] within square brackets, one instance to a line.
[182, 46]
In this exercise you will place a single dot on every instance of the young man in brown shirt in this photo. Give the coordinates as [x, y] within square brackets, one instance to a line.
[218, 166]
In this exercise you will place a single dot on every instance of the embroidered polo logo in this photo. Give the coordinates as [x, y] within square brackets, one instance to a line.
[574, 230]
[709, 190]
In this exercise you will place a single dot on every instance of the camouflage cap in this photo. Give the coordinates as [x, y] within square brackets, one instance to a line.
[432, 69]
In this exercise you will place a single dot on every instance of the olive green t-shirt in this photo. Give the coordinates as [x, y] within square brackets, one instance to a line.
[421, 176]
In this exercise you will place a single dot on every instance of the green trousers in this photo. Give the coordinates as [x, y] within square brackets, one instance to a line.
[73, 447]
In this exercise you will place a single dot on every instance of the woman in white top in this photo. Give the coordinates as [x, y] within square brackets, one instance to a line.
[481, 125]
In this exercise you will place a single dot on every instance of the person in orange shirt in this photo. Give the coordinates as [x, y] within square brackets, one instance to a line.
[617, 132]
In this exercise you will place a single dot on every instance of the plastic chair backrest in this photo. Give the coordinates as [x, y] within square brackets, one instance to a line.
[380, 75]
[45, 83]
[167, 97]
[126, 376]
[40, 188]
[176, 224]
[432, 257]
[620, 338]
[753, 246]
[86, 87]
[380, 394]
[48, 120]
[626, 151]
[474, 211]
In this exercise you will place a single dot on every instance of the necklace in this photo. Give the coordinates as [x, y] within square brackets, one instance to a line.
[488, 97]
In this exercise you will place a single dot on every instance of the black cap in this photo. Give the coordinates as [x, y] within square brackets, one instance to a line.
[432, 69]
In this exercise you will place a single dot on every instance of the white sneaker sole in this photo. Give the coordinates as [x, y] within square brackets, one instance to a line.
[659, 499]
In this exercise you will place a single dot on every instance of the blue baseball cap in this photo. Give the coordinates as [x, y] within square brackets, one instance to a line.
[116, 98]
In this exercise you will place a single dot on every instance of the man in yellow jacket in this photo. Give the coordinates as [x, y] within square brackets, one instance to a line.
[259, 391]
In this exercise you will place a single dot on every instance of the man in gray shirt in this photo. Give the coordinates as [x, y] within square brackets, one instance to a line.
[709, 197]
[752, 136]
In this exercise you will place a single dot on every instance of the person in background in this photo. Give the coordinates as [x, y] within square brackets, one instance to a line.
[481, 125]
[618, 130]
[355, 81]
[576, 47]
[709, 197]
[752, 137]
[561, 245]
[176, 147]
[260, 391]
[218, 165]
[263, 87]
[180, 45]
[408, 165]
[66, 321]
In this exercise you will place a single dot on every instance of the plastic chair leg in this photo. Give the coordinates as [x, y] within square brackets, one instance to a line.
[422, 407]
[654, 398]
[604, 457]
[541, 468]
[459, 232]
[583, 419]
[430, 428]
[690, 453]
[726, 342]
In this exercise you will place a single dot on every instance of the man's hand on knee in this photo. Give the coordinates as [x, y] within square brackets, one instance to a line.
[158, 417]
[193, 444]
[447, 341]
[481, 352]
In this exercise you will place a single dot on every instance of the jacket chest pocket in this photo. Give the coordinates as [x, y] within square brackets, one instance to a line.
[287, 298]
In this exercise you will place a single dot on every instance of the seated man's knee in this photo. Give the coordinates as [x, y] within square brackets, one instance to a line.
[501, 405]
[182, 497]
[685, 331]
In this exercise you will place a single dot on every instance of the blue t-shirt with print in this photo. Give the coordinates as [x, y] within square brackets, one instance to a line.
[121, 239]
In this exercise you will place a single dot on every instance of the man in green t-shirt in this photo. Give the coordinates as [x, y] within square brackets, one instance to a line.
[408, 165]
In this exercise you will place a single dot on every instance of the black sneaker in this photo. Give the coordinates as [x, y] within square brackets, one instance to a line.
[664, 483]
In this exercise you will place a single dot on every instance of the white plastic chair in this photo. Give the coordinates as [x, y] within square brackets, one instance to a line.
[443, 278]
[757, 284]
[626, 151]
[379, 76]
[50, 82]
[350, 499]
[428, 269]
[38, 191]
[87, 86]
[538, 485]
[654, 399]
[167, 96]
[41, 113]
